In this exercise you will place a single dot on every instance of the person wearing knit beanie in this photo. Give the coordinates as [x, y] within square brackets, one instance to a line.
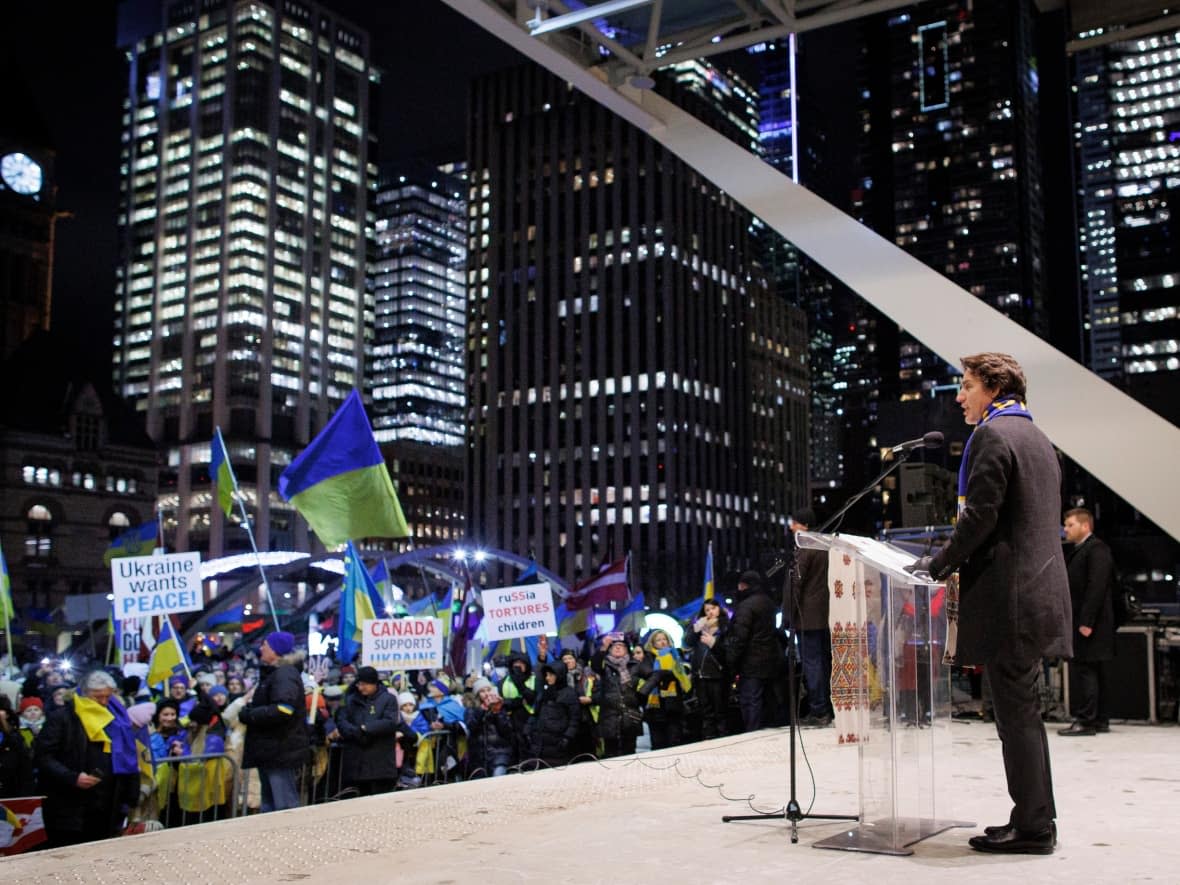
[281, 642]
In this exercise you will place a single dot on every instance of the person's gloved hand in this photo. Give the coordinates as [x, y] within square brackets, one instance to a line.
[919, 567]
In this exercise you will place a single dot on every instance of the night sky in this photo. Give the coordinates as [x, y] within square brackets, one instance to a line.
[62, 57]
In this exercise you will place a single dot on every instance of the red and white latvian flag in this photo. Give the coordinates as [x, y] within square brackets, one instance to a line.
[609, 584]
[21, 825]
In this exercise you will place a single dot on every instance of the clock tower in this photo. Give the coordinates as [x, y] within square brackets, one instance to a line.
[27, 210]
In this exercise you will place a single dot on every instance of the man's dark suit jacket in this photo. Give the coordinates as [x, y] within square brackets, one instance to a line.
[1014, 594]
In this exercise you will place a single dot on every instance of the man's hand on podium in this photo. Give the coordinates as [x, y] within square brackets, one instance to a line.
[920, 567]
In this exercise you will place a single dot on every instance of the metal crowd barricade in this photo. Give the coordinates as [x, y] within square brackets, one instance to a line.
[196, 789]
[322, 778]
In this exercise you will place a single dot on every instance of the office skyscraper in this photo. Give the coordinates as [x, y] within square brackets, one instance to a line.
[241, 289]
[1128, 137]
[951, 165]
[418, 371]
[634, 384]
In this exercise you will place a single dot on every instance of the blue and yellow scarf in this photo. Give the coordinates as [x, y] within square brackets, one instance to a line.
[1001, 408]
[111, 727]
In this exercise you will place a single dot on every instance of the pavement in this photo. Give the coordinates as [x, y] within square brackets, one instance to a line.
[656, 817]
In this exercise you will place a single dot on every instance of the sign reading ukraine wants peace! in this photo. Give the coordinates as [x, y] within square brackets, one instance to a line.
[519, 611]
[157, 585]
[402, 643]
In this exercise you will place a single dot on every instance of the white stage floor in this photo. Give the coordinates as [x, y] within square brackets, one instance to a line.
[656, 817]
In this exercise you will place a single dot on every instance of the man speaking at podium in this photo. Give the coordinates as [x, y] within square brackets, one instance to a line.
[1014, 606]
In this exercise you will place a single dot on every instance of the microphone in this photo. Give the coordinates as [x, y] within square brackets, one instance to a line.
[932, 440]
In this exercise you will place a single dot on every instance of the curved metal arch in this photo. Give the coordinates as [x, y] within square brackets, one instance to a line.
[426, 558]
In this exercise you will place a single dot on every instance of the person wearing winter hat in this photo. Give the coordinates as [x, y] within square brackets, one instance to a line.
[366, 727]
[493, 740]
[32, 717]
[276, 739]
[411, 725]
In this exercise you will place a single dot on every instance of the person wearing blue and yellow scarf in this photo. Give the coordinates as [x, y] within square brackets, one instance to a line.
[87, 764]
[665, 682]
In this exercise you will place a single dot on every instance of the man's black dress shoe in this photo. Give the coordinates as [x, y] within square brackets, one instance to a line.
[1102, 727]
[1006, 829]
[1014, 842]
[1077, 730]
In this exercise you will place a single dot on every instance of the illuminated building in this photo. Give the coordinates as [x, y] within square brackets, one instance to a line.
[634, 383]
[241, 297]
[1128, 137]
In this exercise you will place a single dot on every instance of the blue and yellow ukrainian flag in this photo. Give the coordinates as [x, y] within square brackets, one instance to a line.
[710, 587]
[340, 483]
[427, 605]
[688, 611]
[383, 584]
[168, 657]
[222, 473]
[571, 622]
[228, 621]
[633, 618]
[138, 540]
[7, 612]
[356, 604]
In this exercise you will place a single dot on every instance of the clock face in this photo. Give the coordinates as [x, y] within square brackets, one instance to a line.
[21, 173]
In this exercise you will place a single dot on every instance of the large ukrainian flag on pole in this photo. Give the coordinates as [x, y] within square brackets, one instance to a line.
[168, 657]
[340, 483]
[138, 540]
[356, 604]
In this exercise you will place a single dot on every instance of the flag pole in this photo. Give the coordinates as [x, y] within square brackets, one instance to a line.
[110, 634]
[249, 529]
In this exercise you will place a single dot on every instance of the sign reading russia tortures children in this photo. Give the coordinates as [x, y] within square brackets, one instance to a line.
[157, 585]
[526, 610]
[402, 643]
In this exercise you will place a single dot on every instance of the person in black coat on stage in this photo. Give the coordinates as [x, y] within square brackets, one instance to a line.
[276, 739]
[753, 649]
[810, 620]
[1014, 594]
[1091, 579]
[367, 726]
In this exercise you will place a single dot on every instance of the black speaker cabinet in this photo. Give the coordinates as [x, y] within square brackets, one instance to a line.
[1132, 675]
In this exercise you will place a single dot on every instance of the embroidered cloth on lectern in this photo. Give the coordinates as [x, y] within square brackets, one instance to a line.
[855, 596]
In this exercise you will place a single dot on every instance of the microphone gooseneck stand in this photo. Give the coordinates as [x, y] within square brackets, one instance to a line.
[792, 811]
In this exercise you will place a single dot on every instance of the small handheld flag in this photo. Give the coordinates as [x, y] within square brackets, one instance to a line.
[222, 473]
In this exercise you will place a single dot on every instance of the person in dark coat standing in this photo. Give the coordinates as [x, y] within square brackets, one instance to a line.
[710, 674]
[1091, 578]
[810, 619]
[1014, 594]
[558, 716]
[752, 648]
[619, 720]
[87, 764]
[367, 726]
[276, 739]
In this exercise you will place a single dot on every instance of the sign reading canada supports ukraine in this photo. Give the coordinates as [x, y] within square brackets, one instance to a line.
[402, 644]
[519, 611]
[157, 585]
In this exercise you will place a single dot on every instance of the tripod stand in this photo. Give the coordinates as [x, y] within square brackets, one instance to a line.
[792, 810]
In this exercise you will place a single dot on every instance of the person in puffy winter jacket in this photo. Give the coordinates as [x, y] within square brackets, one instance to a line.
[555, 723]
[276, 740]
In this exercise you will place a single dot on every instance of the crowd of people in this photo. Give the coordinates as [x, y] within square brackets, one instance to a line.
[267, 728]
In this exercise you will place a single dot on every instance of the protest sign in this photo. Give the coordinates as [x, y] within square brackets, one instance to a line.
[157, 585]
[402, 643]
[518, 611]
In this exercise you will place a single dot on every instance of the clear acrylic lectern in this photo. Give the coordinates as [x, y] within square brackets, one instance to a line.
[890, 692]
